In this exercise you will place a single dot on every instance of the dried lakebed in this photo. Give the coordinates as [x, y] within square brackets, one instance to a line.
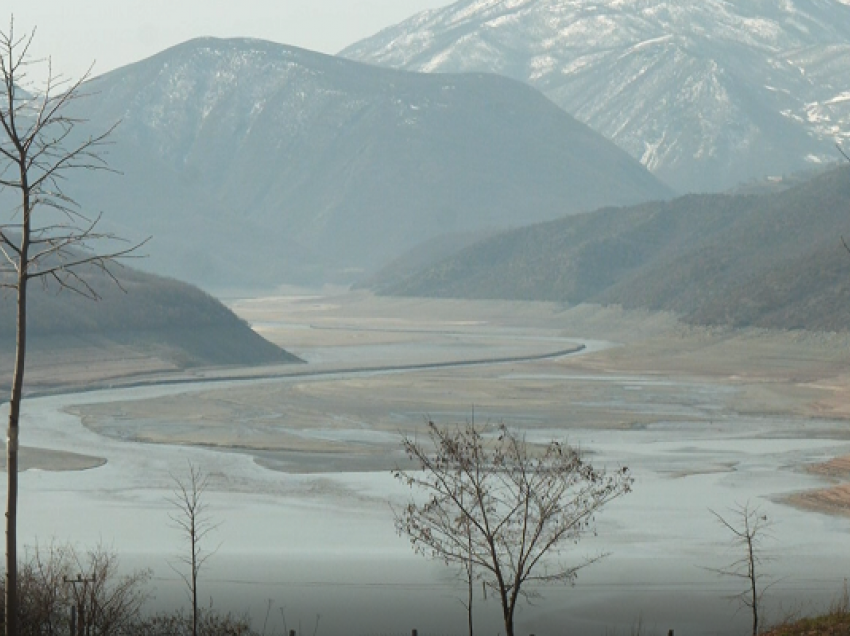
[315, 535]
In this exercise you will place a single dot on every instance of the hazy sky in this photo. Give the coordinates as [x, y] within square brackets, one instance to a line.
[112, 33]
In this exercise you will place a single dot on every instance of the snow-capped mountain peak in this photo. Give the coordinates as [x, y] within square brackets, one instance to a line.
[706, 93]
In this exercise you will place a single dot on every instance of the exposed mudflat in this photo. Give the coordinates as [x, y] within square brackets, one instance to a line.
[52, 460]
[705, 418]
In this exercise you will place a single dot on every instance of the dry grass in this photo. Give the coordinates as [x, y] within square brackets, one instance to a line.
[827, 625]
[835, 622]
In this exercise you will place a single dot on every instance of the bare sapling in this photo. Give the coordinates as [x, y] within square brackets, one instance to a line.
[749, 528]
[193, 521]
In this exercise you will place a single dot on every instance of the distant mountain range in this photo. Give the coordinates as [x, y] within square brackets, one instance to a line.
[772, 260]
[253, 164]
[705, 93]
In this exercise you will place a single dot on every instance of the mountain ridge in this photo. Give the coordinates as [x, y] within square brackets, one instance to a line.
[705, 93]
[772, 260]
[143, 315]
[286, 165]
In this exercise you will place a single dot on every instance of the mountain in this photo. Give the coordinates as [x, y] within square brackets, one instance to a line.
[170, 324]
[254, 163]
[773, 260]
[420, 257]
[705, 93]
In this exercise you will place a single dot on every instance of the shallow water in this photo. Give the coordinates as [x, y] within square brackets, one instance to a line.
[325, 544]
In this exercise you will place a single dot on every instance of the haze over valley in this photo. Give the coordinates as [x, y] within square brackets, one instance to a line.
[618, 225]
[769, 261]
[339, 166]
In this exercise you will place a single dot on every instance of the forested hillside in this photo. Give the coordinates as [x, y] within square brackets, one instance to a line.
[774, 260]
[165, 316]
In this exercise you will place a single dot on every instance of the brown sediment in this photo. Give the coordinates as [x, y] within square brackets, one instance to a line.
[680, 373]
[53, 460]
[838, 467]
[834, 500]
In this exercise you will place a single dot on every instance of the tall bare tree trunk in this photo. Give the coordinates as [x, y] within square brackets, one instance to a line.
[752, 528]
[194, 541]
[36, 152]
[470, 597]
[12, 436]
[751, 573]
[192, 520]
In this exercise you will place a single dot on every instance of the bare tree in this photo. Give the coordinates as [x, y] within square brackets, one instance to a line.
[467, 569]
[503, 507]
[45, 236]
[469, 577]
[192, 520]
[748, 531]
[55, 579]
[112, 603]
[44, 598]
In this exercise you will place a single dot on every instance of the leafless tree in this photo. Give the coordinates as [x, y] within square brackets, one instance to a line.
[193, 521]
[469, 576]
[112, 603]
[55, 578]
[44, 236]
[749, 529]
[503, 507]
[44, 596]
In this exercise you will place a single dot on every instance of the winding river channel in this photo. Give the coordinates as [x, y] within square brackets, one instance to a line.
[322, 546]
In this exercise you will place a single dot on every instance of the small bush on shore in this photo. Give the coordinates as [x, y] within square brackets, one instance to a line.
[835, 622]
[57, 582]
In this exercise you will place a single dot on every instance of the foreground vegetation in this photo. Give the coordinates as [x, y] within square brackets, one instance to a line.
[62, 591]
[832, 623]
[57, 600]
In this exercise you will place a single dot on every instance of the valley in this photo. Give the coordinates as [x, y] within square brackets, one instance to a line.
[339, 166]
[705, 417]
[612, 224]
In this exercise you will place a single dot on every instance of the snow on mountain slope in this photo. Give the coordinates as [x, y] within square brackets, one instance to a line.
[705, 93]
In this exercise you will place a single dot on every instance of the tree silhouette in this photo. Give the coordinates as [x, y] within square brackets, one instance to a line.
[502, 507]
[44, 236]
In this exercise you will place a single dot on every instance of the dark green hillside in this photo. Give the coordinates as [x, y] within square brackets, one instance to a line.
[574, 258]
[166, 317]
[422, 256]
[771, 261]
